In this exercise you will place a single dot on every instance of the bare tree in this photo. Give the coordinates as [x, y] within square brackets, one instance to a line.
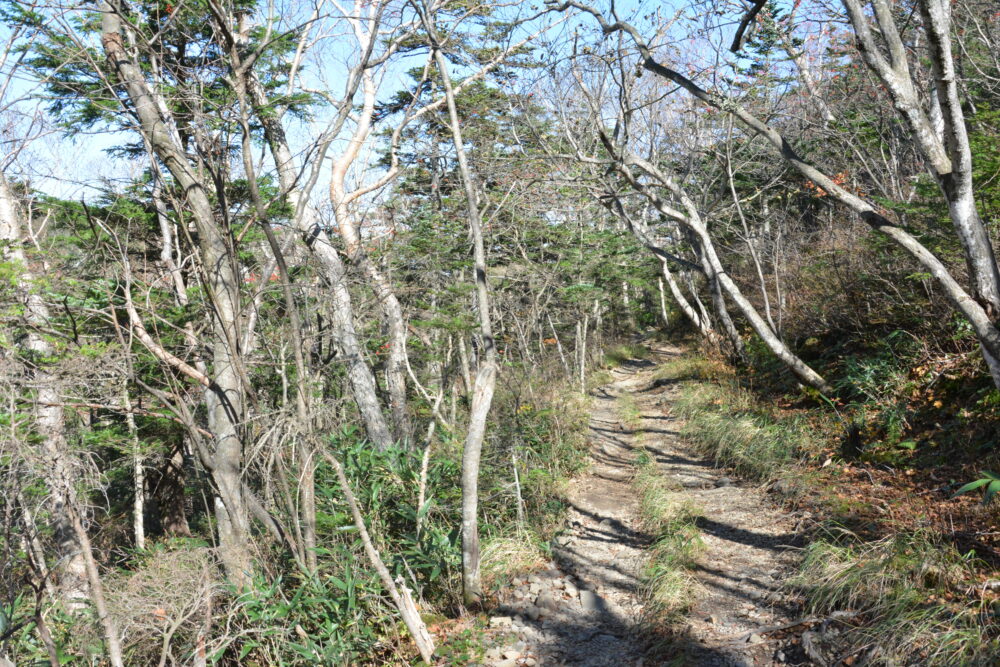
[947, 155]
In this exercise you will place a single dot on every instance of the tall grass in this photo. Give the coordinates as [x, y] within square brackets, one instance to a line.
[910, 590]
[726, 423]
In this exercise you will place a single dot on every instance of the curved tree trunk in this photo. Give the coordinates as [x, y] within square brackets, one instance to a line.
[359, 374]
[392, 311]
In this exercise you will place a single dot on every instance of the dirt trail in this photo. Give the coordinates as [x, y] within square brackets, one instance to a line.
[587, 610]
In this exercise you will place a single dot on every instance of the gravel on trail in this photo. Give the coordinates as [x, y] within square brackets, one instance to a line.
[586, 608]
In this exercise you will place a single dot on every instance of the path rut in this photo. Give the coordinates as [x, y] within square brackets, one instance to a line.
[586, 609]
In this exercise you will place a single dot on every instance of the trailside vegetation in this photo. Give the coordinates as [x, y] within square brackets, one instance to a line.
[300, 304]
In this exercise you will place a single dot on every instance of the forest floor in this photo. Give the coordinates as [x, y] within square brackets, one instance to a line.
[593, 606]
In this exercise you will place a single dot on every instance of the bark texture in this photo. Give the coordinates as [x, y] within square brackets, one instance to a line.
[224, 399]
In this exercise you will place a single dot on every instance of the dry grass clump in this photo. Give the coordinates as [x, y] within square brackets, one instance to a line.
[726, 423]
[911, 592]
[619, 354]
[164, 603]
[673, 519]
[629, 412]
[510, 554]
[692, 367]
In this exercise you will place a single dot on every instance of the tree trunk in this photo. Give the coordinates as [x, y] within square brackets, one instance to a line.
[485, 382]
[224, 399]
[138, 475]
[97, 591]
[663, 303]
[683, 303]
[559, 347]
[719, 302]
[169, 494]
[58, 468]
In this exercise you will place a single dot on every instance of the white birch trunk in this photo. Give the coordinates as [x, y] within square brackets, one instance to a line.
[59, 468]
[485, 382]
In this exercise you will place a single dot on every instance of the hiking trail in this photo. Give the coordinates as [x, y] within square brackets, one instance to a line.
[587, 608]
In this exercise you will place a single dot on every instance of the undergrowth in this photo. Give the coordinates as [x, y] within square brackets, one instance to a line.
[911, 592]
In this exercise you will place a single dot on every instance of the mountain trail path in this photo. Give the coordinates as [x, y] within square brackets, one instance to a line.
[587, 608]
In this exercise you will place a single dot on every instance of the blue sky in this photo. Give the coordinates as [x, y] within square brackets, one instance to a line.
[74, 167]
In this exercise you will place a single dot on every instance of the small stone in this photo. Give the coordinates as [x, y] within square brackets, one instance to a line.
[711, 619]
[589, 600]
[570, 589]
[533, 579]
[493, 654]
[533, 612]
[780, 656]
[547, 601]
[534, 589]
[755, 639]
[530, 662]
[507, 663]
[723, 481]
[501, 622]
